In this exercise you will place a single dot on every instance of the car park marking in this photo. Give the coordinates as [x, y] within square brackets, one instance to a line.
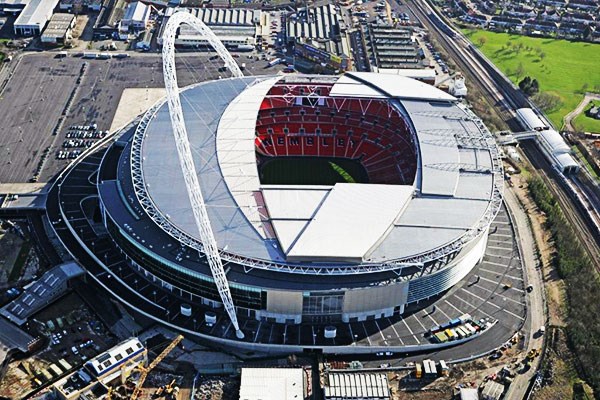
[499, 248]
[366, 334]
[396, 332]
[380, 332]
[410, 330]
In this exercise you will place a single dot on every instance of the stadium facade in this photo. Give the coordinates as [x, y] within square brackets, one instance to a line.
[319, 253]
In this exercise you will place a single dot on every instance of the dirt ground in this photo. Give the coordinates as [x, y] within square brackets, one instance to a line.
[555, 290]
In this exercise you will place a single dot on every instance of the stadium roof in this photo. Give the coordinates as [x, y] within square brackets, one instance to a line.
[342, 223]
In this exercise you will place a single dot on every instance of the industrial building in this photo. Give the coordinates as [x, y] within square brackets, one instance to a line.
[38, 294]
[356, 386]
[234, 27]
[59, 29]
[34, 17]
[274, 383]
[137, 15]
[392, 47]
[319, 33]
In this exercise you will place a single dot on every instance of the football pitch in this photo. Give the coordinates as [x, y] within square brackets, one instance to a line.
[311, 171]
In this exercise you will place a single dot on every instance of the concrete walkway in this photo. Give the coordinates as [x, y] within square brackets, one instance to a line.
[579, 109]
[535, 299]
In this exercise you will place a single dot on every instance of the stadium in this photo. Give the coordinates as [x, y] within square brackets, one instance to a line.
[304, 211]
[331, 199]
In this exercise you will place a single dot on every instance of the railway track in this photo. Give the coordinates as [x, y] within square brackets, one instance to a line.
[507, 99]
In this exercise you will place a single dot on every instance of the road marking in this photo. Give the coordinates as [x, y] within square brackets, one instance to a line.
[501, 235]
[431, 318]
[513, 314]
[381, 333]
[396, 332]
[452, 305]
[474, 308]
[366, 334]
[257, 330]
[480, 298]
[500, 273]
[442, 311]
[501, 294]
[227, 330]
[422, 326]
[502, 256]
[499, 248]
[410, 330]
[270, 333]
[495, 263]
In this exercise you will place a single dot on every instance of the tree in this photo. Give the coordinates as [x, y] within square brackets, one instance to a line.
[542, 55]
[547, 102]
[529, 86]
[520, 71]
[481, 41]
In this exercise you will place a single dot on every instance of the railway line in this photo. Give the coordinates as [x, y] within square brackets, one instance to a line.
[570, 192]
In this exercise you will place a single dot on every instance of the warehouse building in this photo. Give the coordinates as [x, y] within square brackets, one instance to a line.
[234, 27]
[393, 48]
[359, 386]
[137, 15]
[59, 29]
[34, 17]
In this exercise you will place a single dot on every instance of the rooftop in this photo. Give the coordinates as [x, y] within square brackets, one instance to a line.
[453, 191]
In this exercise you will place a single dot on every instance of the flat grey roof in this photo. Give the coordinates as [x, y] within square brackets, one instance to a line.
[451, 194]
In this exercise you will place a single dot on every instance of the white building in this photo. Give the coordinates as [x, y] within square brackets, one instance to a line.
[34, 17]
[136, 17]
[273, 384]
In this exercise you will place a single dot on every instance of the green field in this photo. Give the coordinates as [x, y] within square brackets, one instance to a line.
[585, 123]
[311, 171]
[564, 68]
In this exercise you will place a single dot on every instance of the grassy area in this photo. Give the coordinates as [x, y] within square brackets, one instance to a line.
[564, 68]
[312, 171]
[585, 123]
[19, 264]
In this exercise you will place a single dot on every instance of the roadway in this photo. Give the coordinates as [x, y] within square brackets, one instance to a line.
[573, 195]
[505, 100]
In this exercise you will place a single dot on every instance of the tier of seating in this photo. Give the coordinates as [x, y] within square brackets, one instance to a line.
[369, 131]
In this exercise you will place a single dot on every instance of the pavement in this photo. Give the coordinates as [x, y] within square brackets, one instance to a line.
[579, 109]
[536, 300]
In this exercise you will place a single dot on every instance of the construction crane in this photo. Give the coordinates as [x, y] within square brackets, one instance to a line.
[154, 363]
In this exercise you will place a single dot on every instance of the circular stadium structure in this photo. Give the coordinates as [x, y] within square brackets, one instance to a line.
[330, 199]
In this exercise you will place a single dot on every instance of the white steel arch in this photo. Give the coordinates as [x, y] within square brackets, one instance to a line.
[192, 184]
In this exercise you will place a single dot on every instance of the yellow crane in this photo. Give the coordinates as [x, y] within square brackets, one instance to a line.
[154, 363]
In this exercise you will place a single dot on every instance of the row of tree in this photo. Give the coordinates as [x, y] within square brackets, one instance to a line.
[581, 284]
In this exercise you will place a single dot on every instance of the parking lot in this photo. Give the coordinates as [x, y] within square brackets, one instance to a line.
[43, 88]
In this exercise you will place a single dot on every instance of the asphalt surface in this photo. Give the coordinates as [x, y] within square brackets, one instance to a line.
[39, 88]
[481, 294]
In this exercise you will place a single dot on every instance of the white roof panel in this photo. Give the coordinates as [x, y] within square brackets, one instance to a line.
[402, 87]
[290, 202]
[346, 86]
[272, 383]
[350, 222]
